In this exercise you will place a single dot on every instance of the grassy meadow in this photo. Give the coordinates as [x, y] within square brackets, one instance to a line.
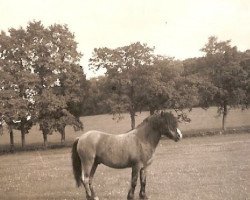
[195, 168]
[201, 121]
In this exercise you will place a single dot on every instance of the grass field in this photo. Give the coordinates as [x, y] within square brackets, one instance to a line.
[204, 168]
[202, 121]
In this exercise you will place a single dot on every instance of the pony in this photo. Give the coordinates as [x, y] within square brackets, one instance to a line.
[134, 149]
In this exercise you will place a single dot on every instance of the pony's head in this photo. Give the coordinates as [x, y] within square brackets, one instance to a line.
[167, 124]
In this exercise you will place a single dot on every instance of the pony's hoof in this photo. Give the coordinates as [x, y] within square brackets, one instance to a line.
[143, 197]
[92, 198]
[130, 197]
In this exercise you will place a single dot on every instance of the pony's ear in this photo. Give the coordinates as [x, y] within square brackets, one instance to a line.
[162, 113]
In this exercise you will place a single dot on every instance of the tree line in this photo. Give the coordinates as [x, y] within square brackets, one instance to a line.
[42, 82]
[136, 79]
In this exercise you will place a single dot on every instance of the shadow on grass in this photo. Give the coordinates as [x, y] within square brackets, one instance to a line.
[5, 149]
[212, 132]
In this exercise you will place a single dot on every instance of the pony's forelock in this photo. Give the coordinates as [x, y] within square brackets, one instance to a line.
[157, 120]
[171, 120]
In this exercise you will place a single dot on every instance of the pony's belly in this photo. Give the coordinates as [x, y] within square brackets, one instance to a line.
[116, 165]
[115, 161]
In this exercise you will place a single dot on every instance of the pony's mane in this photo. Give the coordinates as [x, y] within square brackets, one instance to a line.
[157, 120]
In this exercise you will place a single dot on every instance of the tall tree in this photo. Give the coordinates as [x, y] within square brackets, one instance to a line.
[124, 66]
[227, 76]
[17, 82]
[55, 60]
[158, 85]
[43, 77]
[245, 64]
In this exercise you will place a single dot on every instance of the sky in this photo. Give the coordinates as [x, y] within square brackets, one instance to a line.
[177, 28]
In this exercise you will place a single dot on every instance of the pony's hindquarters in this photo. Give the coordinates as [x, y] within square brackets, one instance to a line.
[76, 164]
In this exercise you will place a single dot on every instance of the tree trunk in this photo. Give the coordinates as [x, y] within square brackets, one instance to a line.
[1, 129]
[45, 140]
[225, 112]
[132, 106]
[152, 111]
[23, 136]
[11, 139]
[132, 116]
[63, 136]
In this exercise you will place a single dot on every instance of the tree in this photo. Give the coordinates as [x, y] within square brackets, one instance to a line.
[73, 87]
[195, 70]
[1, 124]
[42, 77]
[61, 83]
[124, 66]
[162, 76]
[17, 83]
[227, 77]
[170, 88]
[136, 79]
[97, 101]
[245, 64]
[7, 95]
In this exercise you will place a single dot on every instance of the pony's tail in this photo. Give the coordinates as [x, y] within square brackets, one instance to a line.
[76, 164]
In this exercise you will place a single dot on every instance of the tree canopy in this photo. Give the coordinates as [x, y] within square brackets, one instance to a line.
[137, 79]
[41, 77]
[227, 77]
[126, 69]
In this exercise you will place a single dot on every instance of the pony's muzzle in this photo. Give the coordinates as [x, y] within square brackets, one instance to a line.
[178, 135]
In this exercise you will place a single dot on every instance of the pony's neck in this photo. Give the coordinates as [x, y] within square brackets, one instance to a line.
[146, 134]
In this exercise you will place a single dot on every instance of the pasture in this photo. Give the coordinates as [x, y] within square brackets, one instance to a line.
[201, 121]
[204, 168]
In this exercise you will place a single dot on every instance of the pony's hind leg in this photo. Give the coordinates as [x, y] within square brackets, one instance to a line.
[87, 167]
[92, 172]
[86, 186]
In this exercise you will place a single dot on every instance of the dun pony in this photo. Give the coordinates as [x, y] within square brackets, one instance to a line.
[133, 149]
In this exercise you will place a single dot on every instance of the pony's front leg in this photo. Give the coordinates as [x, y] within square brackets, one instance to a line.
[143, 173]
[135, 171]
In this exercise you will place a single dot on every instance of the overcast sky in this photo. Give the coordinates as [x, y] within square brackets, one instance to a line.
[177, 28]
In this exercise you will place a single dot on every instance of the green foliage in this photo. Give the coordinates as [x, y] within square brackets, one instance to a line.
[226, 73]
[245, 64]
[61, 84]
[125, 68]
[16, 80]
[226, 77]
[98, 99]
[41, 76]
[136, 79]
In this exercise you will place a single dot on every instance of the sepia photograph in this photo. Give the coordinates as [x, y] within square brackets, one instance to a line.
[124, 100]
